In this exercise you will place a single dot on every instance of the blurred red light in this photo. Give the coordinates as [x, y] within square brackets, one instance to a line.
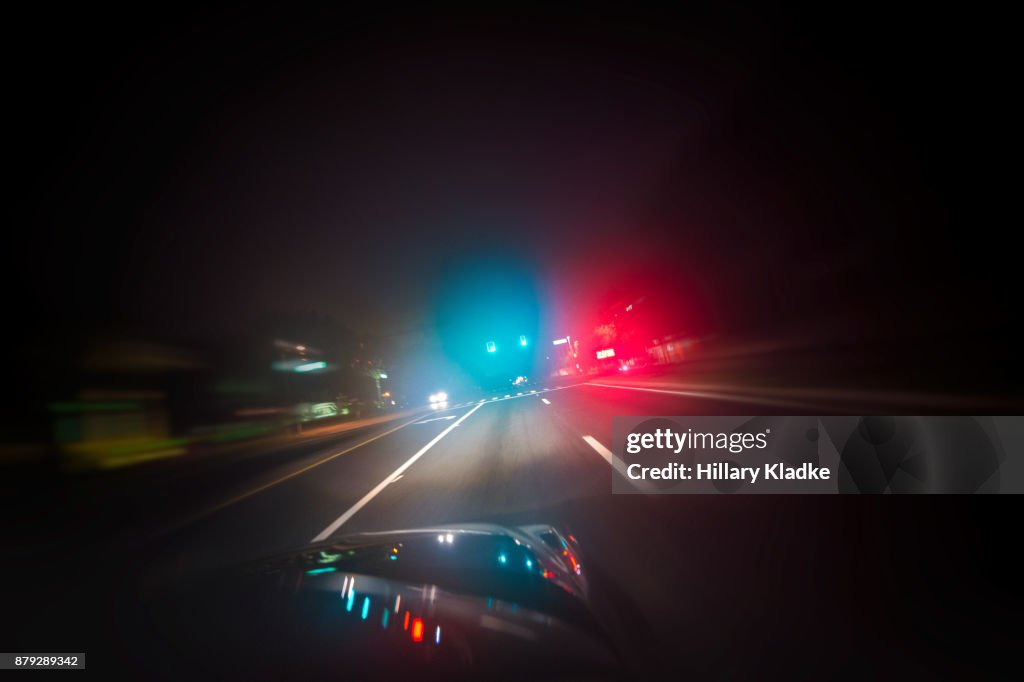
[405, 625]
[417, 630]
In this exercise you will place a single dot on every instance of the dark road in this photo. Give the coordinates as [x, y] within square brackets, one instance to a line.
[504, 460]
[501, 460]
[686, 578]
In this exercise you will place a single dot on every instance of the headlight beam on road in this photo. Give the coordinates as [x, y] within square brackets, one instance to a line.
[341, 520]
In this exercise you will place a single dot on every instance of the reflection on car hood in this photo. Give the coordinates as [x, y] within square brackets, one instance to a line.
[470, 599]
[522, 563]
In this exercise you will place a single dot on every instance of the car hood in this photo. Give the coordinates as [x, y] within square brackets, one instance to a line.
[464, 600]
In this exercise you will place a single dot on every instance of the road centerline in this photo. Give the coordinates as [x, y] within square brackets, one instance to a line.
[388, 480]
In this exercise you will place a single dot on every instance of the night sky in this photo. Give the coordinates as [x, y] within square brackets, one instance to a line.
[178, 176]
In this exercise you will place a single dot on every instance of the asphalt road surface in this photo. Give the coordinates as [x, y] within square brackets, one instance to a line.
[714, 585]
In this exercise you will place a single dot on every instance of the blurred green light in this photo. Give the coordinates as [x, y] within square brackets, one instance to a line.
[310, 366]
[522, 340]
[491, 347]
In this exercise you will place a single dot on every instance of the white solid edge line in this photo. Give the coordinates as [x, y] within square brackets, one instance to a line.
[726, 397]
[340, 521]
[302, 470]
[711, 395]
[666, 391]
[545, 401]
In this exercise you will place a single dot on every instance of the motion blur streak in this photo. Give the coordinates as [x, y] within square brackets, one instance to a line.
[273, 258]
[303, 470]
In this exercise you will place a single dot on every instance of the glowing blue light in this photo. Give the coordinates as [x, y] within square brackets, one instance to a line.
[491, 347]
[310, 366]
[522, 340]
[318, 571]
[529, 563]
[351, 600]
[384, 618]
[502, 559]
[366, 607]
[437, 635]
